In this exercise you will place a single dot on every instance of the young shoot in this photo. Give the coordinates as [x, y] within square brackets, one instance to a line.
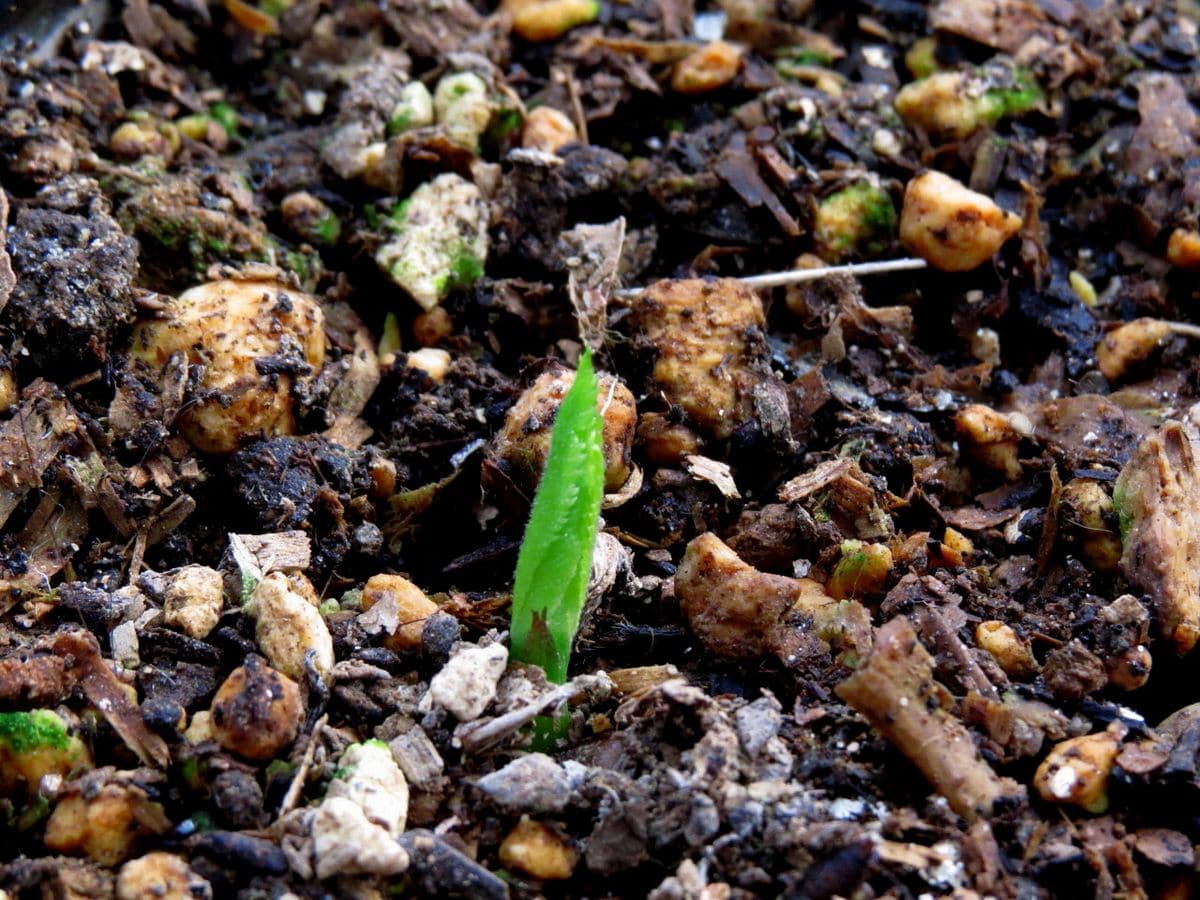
[555, 560]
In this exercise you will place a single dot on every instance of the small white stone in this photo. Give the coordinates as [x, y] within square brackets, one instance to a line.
[885, 143]
[314, 102]
[442, 238]
[194, 598]
[709, 26]
[877, 56]
[414, 108]
[463, 108]
[846, 809]
[375, 783]
[467, 683]
[345, 842]
[124, 642]
[433, 361]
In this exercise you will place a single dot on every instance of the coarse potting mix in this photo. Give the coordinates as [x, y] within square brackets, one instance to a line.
[895, 588]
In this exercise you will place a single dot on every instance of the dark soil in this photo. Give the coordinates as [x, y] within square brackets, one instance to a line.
[900, 599]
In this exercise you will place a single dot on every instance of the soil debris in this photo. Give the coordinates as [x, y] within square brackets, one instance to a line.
[893, 592]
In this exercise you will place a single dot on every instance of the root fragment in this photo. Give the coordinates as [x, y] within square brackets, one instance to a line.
[895, 691]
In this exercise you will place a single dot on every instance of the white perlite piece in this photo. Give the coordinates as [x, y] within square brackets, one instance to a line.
[345, 842]
[194, 598]
[441, 243]
[463, 108]
[467, 683]
[355, 828]
[288, 627]
[375, 784]
[1062, 782]
[414, 109]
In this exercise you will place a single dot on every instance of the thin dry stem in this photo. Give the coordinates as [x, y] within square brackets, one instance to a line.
[477, 736]
[1184, 328]
[797, 276]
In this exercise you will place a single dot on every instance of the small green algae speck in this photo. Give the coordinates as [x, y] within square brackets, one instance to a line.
[25, 731]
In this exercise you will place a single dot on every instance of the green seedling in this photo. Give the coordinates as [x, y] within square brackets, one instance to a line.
[465, 269]
[33, 745]
[390, 341]
[555, 560]
[329, 229]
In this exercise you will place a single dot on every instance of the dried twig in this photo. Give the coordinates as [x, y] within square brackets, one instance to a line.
[8, 280]
[1186, 329]
[798, 276]
[297, 785]
[567, 79]
[476, 736]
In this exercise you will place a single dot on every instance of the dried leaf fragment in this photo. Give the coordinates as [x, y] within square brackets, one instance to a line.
[594, 255]
[715, 473]
[846, 493]
[31, 440]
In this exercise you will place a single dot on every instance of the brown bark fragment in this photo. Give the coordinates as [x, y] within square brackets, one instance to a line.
[109, 695]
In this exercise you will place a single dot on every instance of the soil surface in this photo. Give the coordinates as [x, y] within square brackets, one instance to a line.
[897, 582]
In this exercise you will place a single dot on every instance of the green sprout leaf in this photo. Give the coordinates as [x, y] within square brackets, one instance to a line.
[390, 340]
[556, 555]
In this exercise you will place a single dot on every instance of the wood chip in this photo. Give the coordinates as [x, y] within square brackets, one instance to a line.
[277, 551]
[715, 473]
[739, 170]
[972, 518]
[349, 396]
